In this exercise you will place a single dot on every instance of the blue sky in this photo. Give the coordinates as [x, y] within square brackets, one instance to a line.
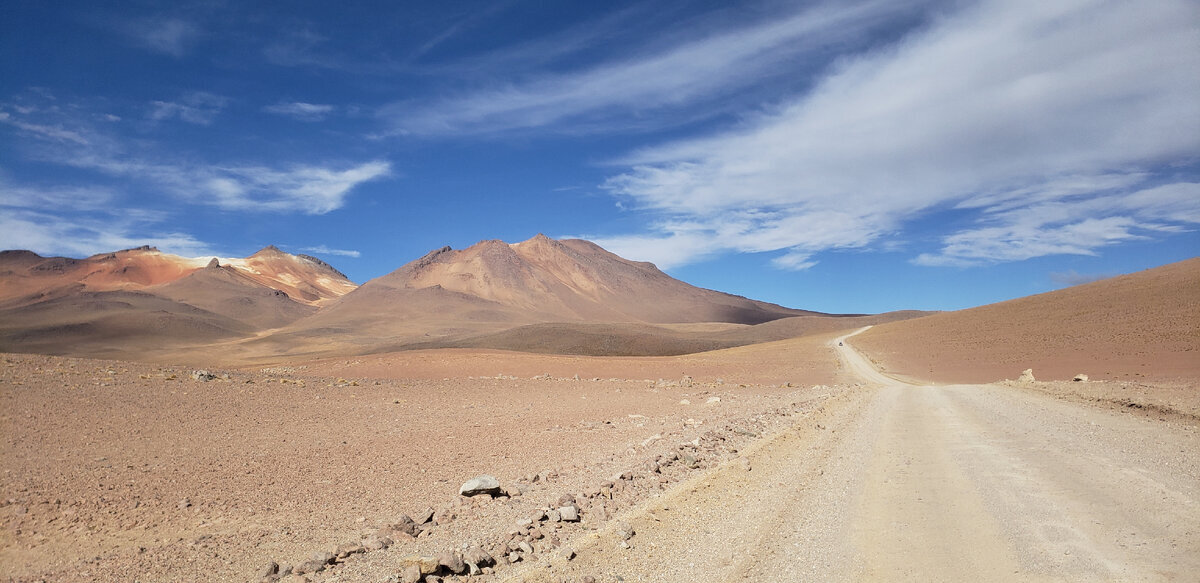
[839, 156]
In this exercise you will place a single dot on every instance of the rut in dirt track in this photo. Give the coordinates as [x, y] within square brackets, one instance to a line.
[901, 482]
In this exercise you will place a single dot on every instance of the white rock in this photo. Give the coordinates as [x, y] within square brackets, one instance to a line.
[484, 484]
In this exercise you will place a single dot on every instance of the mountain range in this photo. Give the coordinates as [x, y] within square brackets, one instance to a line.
[542, 295]
[559, 297]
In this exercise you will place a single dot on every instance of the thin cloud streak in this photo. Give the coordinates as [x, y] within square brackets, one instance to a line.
[300, 110]
[1005, 109]
[700, 70]
[169, 36]
[49, 234]
[284, 188]
[323, 250]
[199, 108]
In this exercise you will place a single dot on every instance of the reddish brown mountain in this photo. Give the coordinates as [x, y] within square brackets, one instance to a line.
[1144, 325]
[539, 295]
[494, 286]
[137, 301]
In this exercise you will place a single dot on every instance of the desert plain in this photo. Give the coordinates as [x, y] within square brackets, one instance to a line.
[265, 419]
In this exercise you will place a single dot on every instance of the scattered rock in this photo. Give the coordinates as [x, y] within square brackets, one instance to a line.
[410, 574]
[311, 566]
[478, 556]
[271, 568]
[712, 400]
[424, 565]
[569, 513]
[377, 543]
[203, 376]
[625, 531]
[1026, 376]
[1080, 378]
[347, 549]
[407, 526]
[480, 485]
[452, 562]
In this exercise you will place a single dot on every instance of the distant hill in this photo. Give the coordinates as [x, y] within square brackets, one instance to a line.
[449, 296]
[140, 301]
[1143, 325]
[539, 295]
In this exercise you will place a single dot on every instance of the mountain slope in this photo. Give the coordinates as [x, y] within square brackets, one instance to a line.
[448, 296]
[137, 302]
[1140, 325]
[572, 280]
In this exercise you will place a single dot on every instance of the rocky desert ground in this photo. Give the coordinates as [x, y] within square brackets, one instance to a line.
[767, 444]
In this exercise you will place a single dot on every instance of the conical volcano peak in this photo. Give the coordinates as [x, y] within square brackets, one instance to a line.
[269, 250]
[545, 279]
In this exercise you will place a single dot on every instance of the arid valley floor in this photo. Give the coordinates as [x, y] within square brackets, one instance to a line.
[771, 445]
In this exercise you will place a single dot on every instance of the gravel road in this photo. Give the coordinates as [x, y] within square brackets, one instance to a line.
[901, 482]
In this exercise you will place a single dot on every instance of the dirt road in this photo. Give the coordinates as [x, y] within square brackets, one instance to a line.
[901, 482]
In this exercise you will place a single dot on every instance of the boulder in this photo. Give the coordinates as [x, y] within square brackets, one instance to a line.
[1080, 378]
[483, 484]
[424, 565]
[407, 526]
[452, 562]
[478, 557]
[569, 513]
[1026, 376]
[410, 574]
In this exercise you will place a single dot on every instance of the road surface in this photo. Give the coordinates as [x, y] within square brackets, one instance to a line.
[901, 482]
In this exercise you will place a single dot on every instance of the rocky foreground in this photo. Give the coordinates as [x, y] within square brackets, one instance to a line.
[120, 472]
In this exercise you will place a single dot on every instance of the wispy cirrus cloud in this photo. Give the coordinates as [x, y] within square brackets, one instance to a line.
[198, 107]
[76, 235]
[666, 80]
[169, 36]
[282, 187]
[43, 131]
[324, 250]
[1046, 122]
[300, 110]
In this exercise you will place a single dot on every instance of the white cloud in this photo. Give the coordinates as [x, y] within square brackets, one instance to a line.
[665, 252]
[49, 234]
[43, 131]
[198, 107]
[169, 36]
[1076, 226]
[70, 197]
[997, 109]
[313, 190]
[306, 188]
[300, 110]
[323, 250]
[672, 78]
